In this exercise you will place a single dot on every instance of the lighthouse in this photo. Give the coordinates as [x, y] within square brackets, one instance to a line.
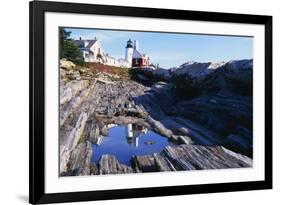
[129, 49]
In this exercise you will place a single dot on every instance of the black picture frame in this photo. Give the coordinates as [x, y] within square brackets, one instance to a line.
[37, 194]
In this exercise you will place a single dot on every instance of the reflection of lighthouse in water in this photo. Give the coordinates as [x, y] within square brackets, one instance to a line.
[133, 132]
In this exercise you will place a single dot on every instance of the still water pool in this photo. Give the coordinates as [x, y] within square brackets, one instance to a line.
[124, 141]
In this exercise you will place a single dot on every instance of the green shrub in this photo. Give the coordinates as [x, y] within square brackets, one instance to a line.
[68, 49]
[186, 86]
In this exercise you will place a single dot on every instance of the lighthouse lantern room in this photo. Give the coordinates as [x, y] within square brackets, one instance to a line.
[133, 55]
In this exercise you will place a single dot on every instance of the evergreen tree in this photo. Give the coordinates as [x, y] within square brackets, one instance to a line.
[68, 49]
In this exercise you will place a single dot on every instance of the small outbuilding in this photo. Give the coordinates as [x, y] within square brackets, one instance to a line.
[139, 60]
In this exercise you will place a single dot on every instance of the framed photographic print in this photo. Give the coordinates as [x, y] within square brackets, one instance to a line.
[139, 102]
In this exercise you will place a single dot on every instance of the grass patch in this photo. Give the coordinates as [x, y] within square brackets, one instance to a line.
[95, 68]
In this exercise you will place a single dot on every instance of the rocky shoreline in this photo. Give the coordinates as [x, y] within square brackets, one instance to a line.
[208, 132]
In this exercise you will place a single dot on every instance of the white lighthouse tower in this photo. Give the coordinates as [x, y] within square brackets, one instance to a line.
[129, 49]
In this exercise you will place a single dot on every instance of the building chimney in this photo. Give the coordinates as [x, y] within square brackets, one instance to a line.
[80, 38]
[136, 45]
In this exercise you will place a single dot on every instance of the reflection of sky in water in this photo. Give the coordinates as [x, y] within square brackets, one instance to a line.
[117, 143]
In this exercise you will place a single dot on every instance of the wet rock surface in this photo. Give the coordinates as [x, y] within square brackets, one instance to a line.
[212, 130]
[110, 165]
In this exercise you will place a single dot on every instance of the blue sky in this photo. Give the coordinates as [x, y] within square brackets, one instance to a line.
[170, 49]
